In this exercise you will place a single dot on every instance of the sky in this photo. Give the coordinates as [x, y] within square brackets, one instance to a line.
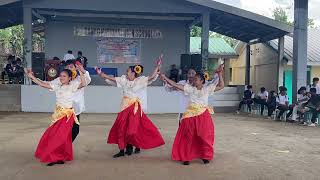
[265, 7]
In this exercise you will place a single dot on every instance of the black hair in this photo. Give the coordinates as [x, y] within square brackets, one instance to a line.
[69, 72]
[263, 89]
[70, 61]
[56, 58]
[303, 88]
[14, 62]
[249, 87]
[69, 52]
[19, 60]
[11, 57]
[135, 74]
[272, 93]
[201, 76]
[313, 90]
[80, 53]
[315, 79]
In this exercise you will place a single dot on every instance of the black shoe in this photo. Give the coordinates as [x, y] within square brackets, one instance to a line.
[52, 164]
[129, 150]
[119, 154]
[186, 163]
[137, 150]
[60, 162]
[205, 161]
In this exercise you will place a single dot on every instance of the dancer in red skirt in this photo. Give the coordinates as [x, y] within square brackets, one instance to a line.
[55, 146]
[132, 127]
[195, 136]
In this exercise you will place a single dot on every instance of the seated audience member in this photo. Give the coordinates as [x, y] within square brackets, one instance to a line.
[315, 84]
[282, 101]
[7, 66]
[261, 98]
[302, 98]
[14, 71]
[313, 105]
[247, 99]
[174, 73]
[272, 103]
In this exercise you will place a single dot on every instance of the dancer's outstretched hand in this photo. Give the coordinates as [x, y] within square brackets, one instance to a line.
[80, 67]
[98, 70]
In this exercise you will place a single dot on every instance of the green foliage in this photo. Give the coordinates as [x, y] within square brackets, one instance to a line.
[196, 32]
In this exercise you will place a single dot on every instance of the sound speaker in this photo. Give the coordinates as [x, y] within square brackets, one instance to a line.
[38, 65]
[185, 61]
[196, 62]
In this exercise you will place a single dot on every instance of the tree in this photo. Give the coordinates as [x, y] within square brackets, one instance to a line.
[280, 14]
[196, 32]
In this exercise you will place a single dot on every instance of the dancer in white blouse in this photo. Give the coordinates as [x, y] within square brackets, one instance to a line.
[195, 136]
[132, 127]
[55, 145]
[78, 98]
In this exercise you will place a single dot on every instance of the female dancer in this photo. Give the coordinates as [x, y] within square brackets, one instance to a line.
[195, 136]
[55, 145]
[132, 127]
[78, 98]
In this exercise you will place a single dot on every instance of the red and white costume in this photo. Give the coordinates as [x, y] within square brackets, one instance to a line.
[195, 136]
[56, 142]
[132, 126]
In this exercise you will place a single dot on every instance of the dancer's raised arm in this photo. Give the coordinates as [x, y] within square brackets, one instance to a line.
[83, 81]
[156, 71]
[103, 75]
[172, 83]
[31, 76]
[220, 85]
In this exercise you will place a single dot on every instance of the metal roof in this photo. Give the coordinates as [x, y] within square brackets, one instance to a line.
[11, 13]
[313, 47]
[241, 24]
[218, 47]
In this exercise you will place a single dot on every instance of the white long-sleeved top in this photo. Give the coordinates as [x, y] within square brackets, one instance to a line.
[65, 93]
[78, 97]
[134, 89]
[199, 96]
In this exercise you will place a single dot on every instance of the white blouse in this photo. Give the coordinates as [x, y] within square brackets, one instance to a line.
[65, 93]
[78, 98]
[199, 96]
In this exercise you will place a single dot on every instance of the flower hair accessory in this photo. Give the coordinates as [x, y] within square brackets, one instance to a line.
[74, 74]
[137, 69]
[206, 76]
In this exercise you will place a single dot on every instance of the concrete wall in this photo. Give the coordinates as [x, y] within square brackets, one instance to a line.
[60, 38]
[10, 98]
[103, 99]
[263, 67]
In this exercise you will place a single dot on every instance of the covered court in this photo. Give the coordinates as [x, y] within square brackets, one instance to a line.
[245, 148]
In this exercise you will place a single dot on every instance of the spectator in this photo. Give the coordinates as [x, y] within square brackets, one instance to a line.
[247, 99]
[174, 73]
[68, 56]
[262, 98]
[302, 98]
[15, 72]
[272, 103]
[282, 101]
[82, 59]
[313, 105]
[315, 84]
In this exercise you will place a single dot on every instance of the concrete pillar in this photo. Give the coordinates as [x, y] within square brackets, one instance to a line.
[205, 39]
[27, 24]
[247, 74]
[187, 51]
[300, 46]
[280, 68]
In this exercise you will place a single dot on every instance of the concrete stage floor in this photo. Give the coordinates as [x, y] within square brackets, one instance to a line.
[246, 148]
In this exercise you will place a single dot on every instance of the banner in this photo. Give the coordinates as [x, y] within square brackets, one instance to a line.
[142, 33]
[116, 50]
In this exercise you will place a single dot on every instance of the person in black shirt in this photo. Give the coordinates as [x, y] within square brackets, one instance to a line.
[174, 73]
[272, 103]
[82, 59]
[247, 99]
[313, 105]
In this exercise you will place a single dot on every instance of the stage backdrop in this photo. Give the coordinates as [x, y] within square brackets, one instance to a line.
[118, 50]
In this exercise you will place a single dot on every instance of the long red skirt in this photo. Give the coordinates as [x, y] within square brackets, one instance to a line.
[56, 142]
[194, 139]
[135, 129]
